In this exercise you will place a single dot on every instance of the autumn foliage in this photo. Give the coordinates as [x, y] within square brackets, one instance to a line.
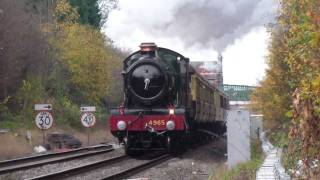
[57, 55]
[85, 54]
[291, 88]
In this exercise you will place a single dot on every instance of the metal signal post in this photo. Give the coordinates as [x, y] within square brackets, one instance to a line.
[44, 119]
[88, 119]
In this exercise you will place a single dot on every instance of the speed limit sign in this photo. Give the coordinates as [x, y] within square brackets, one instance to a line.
[44, 120]
[88, 119]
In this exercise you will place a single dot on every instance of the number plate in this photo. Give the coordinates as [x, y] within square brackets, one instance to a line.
[157, 122]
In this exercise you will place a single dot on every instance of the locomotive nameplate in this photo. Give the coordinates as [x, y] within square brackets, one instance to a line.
[158, 122]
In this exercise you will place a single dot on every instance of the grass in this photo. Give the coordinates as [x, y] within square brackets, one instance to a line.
[13, 146]
[9, 125]
[14, 143]
[244, 171]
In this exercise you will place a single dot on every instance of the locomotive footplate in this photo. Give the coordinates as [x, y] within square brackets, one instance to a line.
[145, 141]
[153, 130]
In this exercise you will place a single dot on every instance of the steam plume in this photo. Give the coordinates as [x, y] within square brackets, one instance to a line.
[210, 23]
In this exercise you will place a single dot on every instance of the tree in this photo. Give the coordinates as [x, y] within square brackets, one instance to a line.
[88, 10]
[22, 48]
[47, 55]
[301, 18]
[273, 97]
[89, 59]
[294, 76]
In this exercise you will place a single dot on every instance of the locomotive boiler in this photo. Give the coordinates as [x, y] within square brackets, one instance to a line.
[165, 102]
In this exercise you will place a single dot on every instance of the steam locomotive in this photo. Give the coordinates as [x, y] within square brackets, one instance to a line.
[165, 102]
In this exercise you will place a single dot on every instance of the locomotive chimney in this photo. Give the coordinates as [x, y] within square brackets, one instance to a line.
[148, 47]
[220, 73]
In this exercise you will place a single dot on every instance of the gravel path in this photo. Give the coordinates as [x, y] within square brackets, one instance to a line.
[46, 169]
[195, 164]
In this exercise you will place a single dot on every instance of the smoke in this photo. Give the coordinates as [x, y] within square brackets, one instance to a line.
[217, 23]
[202, 23]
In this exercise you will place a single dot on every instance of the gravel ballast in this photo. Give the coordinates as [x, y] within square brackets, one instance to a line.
[50, 168]
[198, 163]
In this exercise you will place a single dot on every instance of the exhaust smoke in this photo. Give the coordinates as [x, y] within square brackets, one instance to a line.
[202, 23]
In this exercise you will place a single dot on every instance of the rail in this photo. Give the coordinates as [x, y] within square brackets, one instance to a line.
[139, 168]
[39, 160]
[80, 169]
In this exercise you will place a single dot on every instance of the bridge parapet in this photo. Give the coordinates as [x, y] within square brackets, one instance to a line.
[239, 94]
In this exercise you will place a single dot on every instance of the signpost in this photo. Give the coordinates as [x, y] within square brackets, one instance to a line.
[88, 109]
[43, 107]
[44, 119]
[88, 119]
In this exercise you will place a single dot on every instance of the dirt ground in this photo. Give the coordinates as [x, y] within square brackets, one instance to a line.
[198, 163]
[16, 144]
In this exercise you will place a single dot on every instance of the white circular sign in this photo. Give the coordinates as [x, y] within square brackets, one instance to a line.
[44, 120]
[88, 119]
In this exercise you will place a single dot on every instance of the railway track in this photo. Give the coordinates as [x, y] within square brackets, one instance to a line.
[9, 166]
[109, 167]
[119, 161]
[139, 168]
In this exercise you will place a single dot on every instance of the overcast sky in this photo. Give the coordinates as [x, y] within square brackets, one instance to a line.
[199, 29]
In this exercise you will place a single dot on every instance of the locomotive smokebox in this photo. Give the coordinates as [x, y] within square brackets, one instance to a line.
[147, 79]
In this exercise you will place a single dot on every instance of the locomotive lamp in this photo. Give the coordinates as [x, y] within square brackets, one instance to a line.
[170, 125]
[171, 111]
[121, 125]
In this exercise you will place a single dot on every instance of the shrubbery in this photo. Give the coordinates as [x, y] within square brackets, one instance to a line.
[290, 93]
[75, 65]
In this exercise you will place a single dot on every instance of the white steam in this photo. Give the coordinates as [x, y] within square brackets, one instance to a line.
[201, 23]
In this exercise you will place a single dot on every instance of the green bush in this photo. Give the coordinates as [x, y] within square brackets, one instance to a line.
[12, 125]
[247, 170]
[102, 114]
[279, 138]
[5, 114]
[66, 112]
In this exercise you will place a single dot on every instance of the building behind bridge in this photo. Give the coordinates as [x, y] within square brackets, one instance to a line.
[210, 70]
